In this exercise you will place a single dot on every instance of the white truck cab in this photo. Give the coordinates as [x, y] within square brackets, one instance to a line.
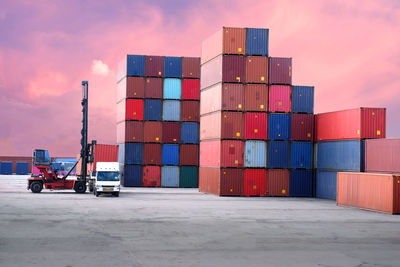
[106, 179]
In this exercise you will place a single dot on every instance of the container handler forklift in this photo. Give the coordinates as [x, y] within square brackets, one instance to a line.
[49, 178]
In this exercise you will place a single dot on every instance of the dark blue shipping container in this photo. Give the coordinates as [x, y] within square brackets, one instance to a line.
[170, 154]
[325, 184]
[173, 67]
[133, 153]
[340, 155]
[152, 110]
[301, 182]
[5, 167]
[22, 168]
[257, 42]
[279, 126]
[278, 154]
[303, 99]
[301, 155]
[189, 133]
[132, 175]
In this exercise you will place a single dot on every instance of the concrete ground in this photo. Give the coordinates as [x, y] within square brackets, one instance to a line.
[181, 227]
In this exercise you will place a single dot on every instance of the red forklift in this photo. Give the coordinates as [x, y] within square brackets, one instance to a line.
[49, 178]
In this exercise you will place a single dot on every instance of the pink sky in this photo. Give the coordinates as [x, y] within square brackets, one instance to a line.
[349, 50]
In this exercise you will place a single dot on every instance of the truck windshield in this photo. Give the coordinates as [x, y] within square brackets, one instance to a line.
[107, 176]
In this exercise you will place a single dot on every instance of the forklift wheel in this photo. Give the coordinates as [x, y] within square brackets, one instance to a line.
[90, 188]
[79, 187]
[36, 187]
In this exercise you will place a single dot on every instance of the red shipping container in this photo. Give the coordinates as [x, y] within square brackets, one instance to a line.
[151, 176]
[190, 67]
[225, 41]
[191, 89]
[152, 154]
[302, 128]
[256, 69]
[103, 153]
[352, 124]
[232, 153]
[134, 109]
[256, 126]
[221, 182]
[279, 98]
[255, 182]
[153, 88]
[382, 155]
[222, 125]
[369, 191]
[171, 132]
[209, 181]
[130, 131]
[130, 87]
[190, 111]
[153, 131]
[256, 97]
[280, 70]
[189, 155]
[154, 66]
[227, 96]
[278, 183]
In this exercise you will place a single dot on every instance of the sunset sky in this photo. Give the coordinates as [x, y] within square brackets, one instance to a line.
[349, 50]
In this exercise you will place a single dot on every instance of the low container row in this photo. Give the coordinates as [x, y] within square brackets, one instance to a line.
[7, 168]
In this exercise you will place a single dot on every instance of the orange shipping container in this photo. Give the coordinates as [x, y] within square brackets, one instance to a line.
[370, 191]
[221, 182]
[103, 153]
[256, 97]
[256, 69]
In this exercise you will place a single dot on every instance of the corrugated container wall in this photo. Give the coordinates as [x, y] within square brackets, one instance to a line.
[153, 131]
[256, 97]
[233, 69]
[301, 182]
[256, 125]
[6, 167]
[189, 154]
[173, 67]
[153, 88]
[190, 133]
[302, 127]
[191, 89]
[190, 111]
[280, 70]
[278, 183]
[231, 183]
[171, 132]
[232, 153]
[170, 154]
[255, 154]
[209, 180]
[154, 66]
[189, 177]
[130, 87]
[325, 184]
[222, 125]
[152, 109]
[22, 168]
[303, 99]
[229, 97]
[279, 126]
[278, 154]
[172, 88]
[279, 98]
[132, 175]
[256, 69]
[130, 131]
[171, 110]
[132, 65]
[257, 41]
[170, 176]
[301, 155]
[255, 182]
[151, 176]
[104, 153]
[190, 67]
[152, 154]
[133, 153]
[210, 154]
[382, 155]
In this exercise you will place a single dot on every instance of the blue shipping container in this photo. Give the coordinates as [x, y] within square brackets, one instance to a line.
[171, 110]
[133, 153]
[340, 155]
[300, 184]
[278, 154]
[132, 65]
[173, 67]
[303, 99]
[132, 175]
[5, 167]
[301, 155]
[325, 184]
[255, 154]
[152, 110]
[257, 41]
[172, 89]
[189, 133]
[170, 176]
[279, 126]
[22, 168]
[170, 154]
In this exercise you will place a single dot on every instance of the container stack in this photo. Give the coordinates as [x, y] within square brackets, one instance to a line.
[246, 146]
[158, 120]
[340, 147]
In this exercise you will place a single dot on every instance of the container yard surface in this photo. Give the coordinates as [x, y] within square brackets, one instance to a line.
[181, 227]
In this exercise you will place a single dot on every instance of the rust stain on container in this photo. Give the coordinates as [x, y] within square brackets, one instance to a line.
[256, 97]
[256, 69]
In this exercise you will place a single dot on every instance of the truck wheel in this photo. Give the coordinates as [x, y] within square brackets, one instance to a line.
[36, 187]
[116, 194]
[80, 187]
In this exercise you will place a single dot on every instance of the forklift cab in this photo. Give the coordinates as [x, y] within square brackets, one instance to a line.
[41, 157]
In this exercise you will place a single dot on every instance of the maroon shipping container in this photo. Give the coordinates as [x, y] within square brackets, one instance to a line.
[280, 70]
[256, 126]
[256, 97]
[103, 153]
[130, 87]
[256, 69]
[278, 182]
[190, 67]
[153, 131]
[382, 155]
[190, 111]
[153, 88]
[171, 132]
[302, 128]
[222, 96]
[154, 66]
[189, 155]
[225, 41]
[221, 182]
[130, 131]
[151, 176]
[152, 154]
[255, 182]
[352, 124]
[191, 89]
[222, 125]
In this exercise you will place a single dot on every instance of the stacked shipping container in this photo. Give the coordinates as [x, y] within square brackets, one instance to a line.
[246, 121]
[158, 120]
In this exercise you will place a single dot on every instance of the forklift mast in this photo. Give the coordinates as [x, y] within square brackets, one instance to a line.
[84, 131]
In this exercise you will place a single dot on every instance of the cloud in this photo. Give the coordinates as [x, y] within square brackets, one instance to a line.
[100, 68]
